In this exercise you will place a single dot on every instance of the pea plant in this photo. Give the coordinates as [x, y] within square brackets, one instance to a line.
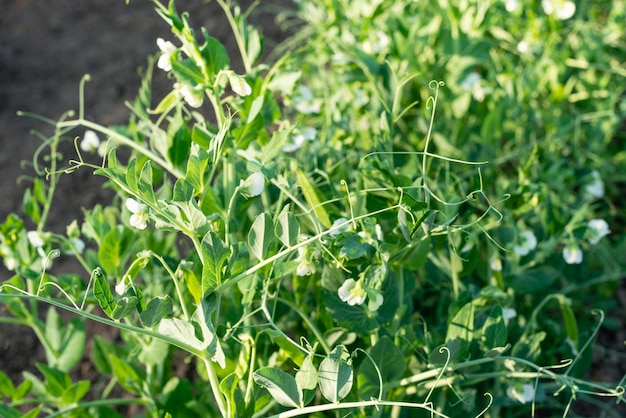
[402, 211]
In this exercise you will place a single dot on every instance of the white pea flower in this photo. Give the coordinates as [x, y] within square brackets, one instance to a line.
[523, 395]
[167, 49]
[352, 292]
[193, 99]
[304, 101]
[380, 42]
[123, 286]
[510, 5]
[561, 9]
[379, 233]
[139, 217]
[76, 246]
[35, 239]
[90, 142]
[472, 83]
[495, 263]
[508, 314]
[301, 135]
[523, 47]
[340, 224]
[239, 84]
[528, 242]
[596, 230]
[305, 266]
[572, 254]
[595, 188]
[255, 183]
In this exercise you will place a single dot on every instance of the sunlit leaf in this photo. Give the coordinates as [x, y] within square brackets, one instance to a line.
[280, 385]
[335, 375]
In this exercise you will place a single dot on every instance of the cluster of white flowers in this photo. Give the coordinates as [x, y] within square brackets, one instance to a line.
[139, 217]
[353, 292]
[594, 188]
[300, 137]
[527, 243]
[306, 265]
[473, 84]
[596, 230]
[194, 96]
[38, 240]
[91, 143]
[304, 102]
[561, 9]
[523, 394]
[253, 185]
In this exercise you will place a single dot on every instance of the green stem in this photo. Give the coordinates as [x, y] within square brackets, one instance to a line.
[309, 323]
[237, 33]
[101, 402]
[183, 346]
[215, 386]
[119, 138]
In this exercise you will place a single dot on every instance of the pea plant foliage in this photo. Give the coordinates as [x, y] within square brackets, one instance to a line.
[351, 225]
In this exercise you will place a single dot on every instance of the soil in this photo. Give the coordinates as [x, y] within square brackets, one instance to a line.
[45, 49]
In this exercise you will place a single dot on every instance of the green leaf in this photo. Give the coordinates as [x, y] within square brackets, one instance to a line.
[287, 228]
[281, 340]
[184, 331]
[569, 320]
[196, 165]
[306, 377]
[102, 292]
[124, 307]
[247, 133]
[214, 257]
[72, 345]
[100, 352]
[167, 103]
[6, 385]
[125, 374]
[354, 249]
[156, 309]
[234, 397]
[75, 393]
[183, 191]
[187, 72]
[154, 352]
[203, 316]
[254, 44]
[145, 183]
[462, 329]
[390, 363]
[255, 108]
[131, 174]
[529, 347]
[284, 82]
[311, 194]
[56, 381]
[111, 253]
[261, 236]
[215, 55]
[9, 412]
[335, 375]
[202, 138]
[22, 390]
[280, 385]
[494, 333]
